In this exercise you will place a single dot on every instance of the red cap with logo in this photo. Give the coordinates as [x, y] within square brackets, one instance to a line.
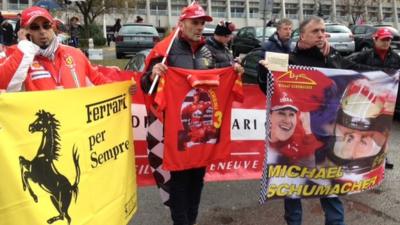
[194, 11]
[283, 100]
[383, 33]
[31, 13]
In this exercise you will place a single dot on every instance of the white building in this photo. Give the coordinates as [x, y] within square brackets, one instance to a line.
[165, 13]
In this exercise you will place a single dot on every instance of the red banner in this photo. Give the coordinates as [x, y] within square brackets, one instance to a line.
[247, 134]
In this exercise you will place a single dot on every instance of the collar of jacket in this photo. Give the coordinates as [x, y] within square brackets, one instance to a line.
[275, 38]
[314, 52]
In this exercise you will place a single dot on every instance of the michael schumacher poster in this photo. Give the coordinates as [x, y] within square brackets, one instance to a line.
[328, 134]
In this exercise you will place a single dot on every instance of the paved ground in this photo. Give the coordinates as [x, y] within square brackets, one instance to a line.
[235, 203]
[109, 52]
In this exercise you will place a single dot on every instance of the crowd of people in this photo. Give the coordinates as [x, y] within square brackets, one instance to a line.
[37, 43]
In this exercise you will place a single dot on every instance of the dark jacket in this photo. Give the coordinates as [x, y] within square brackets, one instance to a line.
[116, 27]
[181, 56]
[75, 31]
[17, 27]
[314, 57]
[221, 54]
[8, 33]
[371, 58]
[274, 44]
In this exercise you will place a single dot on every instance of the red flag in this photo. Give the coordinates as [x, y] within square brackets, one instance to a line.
[159, 51]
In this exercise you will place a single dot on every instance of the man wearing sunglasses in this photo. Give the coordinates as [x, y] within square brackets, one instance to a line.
[40, 62]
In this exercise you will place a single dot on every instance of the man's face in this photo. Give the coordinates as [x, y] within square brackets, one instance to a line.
[41, 32]
[192, 28]
[355, 144]
[283, 123]
[383, 43]
[74, 22]
[314, 34]
[285, 32]
[224, 39]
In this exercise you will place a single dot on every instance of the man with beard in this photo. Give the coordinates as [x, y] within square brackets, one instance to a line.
[40, 62]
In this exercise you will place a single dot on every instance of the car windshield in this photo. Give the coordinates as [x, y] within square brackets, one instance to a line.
[268, 31]
[337, 29]
[138, 30]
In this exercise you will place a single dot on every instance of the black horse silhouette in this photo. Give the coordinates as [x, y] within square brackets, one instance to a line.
[42, 170]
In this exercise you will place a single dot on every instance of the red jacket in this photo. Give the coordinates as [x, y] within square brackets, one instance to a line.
[22, 70]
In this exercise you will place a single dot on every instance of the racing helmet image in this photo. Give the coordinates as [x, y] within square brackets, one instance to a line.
[360, 130]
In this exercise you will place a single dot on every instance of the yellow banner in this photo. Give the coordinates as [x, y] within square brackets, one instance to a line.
[66, 157]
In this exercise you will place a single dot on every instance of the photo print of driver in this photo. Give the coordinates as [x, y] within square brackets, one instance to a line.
[291, 139]
[361, 131]
[197, 120]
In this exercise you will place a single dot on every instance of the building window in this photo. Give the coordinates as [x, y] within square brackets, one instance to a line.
[17, 4]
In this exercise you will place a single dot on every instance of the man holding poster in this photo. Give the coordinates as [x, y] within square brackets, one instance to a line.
[350, 114]
[312, 49]
[194, 102]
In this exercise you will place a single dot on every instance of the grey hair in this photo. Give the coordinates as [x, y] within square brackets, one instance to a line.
[309, 20]
[282, 22]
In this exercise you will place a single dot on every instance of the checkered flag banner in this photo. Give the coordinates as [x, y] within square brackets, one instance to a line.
[300, 67]
[155, 152]
[269, 93]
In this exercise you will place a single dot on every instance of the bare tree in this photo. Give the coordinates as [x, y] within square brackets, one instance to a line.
[357, 8]
[91, 9]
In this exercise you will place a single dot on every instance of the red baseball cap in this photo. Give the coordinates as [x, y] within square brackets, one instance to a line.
[194, 11]
[283, 101]
[31, 13]
[383, 33]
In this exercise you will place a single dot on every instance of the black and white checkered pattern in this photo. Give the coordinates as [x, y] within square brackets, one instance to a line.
[300, 67]
[155, 152]
[264, 179]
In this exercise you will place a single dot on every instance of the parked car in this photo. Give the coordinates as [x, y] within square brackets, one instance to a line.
[135, 37]
[340, 37]
[249, 38]
[363, 36]
[209, 30]
[136, 62]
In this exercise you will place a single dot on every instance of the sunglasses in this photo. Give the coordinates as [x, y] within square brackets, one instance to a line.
[45, 26]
